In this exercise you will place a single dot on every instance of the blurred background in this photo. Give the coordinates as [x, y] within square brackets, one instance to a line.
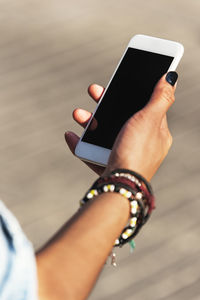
[50, 51]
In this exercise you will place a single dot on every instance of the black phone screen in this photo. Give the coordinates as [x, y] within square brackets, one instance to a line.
[128, 92]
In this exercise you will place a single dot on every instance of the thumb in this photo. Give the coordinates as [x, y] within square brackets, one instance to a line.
[163, 95]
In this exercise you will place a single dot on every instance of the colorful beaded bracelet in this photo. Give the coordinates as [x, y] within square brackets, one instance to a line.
[133, 187]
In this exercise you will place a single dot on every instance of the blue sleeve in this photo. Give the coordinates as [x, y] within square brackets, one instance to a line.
[17, 260]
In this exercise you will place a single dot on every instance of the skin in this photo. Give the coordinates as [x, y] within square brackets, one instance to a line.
[70, 263]
[148, 128]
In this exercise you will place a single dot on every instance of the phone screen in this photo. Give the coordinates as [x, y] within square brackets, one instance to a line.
[128, 92]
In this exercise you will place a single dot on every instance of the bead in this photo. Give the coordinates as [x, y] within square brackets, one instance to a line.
[127, 233]
[133, 203]
[128, 194]
[133, 179]
[133, 222]
[138, 196]
[117, 242]
[111, 187]
[124, 236]
[89, 195]
[134, 207]
[92, 193]
[138, 211]
[105, 188]
[122, 191]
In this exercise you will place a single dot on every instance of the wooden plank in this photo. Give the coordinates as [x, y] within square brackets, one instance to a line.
[50, 52]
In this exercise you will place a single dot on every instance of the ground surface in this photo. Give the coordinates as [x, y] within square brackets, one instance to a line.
[50, 51]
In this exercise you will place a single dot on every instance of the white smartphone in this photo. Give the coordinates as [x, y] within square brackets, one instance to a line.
[145, 60]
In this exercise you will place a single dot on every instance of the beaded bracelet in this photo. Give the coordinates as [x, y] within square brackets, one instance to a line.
[133, 187]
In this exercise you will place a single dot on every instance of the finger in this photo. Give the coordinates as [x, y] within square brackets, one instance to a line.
[163, 94]
[97, 169]
[95, 91]
[72, 140]
[81, 116]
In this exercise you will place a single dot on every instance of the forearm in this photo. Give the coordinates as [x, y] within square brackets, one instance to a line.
[69, 265]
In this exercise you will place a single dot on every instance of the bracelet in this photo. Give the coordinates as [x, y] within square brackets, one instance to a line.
[133, 187]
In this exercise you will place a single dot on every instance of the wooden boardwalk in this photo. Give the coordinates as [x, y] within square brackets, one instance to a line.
[50, 51]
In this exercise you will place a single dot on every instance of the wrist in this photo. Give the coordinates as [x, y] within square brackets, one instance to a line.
[135, 188]
[140, 170]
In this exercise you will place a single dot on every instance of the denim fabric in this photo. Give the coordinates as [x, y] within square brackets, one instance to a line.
[17, 261]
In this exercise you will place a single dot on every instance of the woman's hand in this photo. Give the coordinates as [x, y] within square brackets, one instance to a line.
[141, 145]
[145, 139]
[82, 117]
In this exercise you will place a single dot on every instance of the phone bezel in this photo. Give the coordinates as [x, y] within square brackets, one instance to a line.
[99, 155]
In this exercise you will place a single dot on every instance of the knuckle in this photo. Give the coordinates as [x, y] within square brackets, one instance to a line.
[167, 94]
[170, 140]
[167, 140]
[140, 116]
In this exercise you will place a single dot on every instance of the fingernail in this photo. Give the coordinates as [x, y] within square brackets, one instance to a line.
[171, 78]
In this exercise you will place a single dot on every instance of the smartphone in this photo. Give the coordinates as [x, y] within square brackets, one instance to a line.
[143, 63]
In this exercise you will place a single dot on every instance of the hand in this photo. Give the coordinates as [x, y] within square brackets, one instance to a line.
[82, 117]
[144, 140]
